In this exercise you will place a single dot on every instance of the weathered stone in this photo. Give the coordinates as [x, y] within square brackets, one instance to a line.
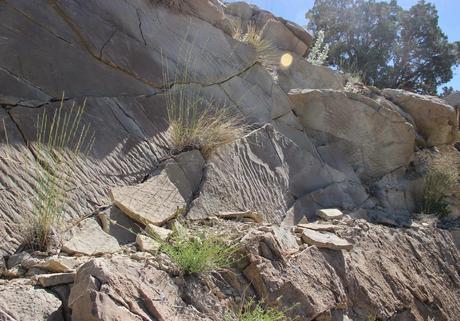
[318, 227]
[252, 216]
[117, 224]
[436, 121]
[270, 183]
[88, 238]
[49, 280]
[56, 265]
[158, 232]
[108, 289]
[155, 201]
[147, 244]
[325, 240]
[16, 259]
[304, 75]
[21, 301]
[282, 37]
[286, 240]
[343, 122]
[329, 214]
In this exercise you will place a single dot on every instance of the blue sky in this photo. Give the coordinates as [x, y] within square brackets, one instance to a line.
[448, 10]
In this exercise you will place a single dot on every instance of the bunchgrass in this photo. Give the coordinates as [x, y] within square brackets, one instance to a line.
[61, 140]
[252, 311]
[199, 253]
[198, 124]
[265, 50]
[320, 51]
[441, 177]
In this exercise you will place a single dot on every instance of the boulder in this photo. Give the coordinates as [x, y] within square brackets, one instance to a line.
[325, 240]
[22, 301]
[262, 172]
[122, 289]
[342, 121]
[304, 75]
[157, 232]
[282, 37]
[321, 227]
[87, 238]
[329, 214]
[155, 201]
[49, 280]
[147, 244]
[436, 121]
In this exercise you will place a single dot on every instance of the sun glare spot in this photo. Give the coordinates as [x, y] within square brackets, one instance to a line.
[286, 60]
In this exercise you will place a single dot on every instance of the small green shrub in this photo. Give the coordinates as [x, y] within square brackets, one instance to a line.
[441, 177]
[319, 52]
[200, 253]
[252, 311]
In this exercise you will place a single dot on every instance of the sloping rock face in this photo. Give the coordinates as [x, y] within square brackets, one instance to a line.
[311, 147]
[265, 172]
[344, 121]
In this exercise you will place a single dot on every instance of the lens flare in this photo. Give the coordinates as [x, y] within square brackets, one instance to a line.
[286, 60]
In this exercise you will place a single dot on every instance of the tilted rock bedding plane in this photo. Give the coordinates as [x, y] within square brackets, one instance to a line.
[318, 196]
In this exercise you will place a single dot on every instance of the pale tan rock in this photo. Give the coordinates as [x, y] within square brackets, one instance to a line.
[318, 227]
[56, 265]
[154, 294]
[250, 215]
[87, 238]
[22, 301]
[147, 244]
[286, 240]
[325, 240]
[155, 201]
[435, 120]
[329, 214]
[158, 232]
[343, 122]
[49, 280]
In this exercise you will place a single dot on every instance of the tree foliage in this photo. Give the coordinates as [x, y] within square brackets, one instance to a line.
[387, 45]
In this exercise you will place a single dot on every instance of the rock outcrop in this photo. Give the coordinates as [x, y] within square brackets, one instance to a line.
[297, 194]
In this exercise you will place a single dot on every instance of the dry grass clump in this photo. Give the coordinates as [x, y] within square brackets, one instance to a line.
[441, 177]
[61, 139]
[265, 50]
[197, 124]
[320, 51]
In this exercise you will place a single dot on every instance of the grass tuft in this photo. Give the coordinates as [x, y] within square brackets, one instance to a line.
[200, 253]
[440, 179]
[61, 139]
[265, 50]
[198, 124]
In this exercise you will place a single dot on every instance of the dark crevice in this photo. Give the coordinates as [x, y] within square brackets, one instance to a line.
[140, 27]
[106, 43]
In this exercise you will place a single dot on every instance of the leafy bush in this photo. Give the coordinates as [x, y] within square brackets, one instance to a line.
[319, 52]
[198, 124]
[200, 253]
[440, 178]
[61, 139]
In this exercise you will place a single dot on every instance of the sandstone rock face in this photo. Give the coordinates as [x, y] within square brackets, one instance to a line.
[245, 176]
[88, 238]
[21, 301]
[343, 122]
[118, 288]
[435, 120]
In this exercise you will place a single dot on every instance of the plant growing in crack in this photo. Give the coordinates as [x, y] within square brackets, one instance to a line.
[61, 140]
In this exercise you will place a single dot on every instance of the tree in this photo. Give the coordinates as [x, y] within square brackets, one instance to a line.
[387, 45]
